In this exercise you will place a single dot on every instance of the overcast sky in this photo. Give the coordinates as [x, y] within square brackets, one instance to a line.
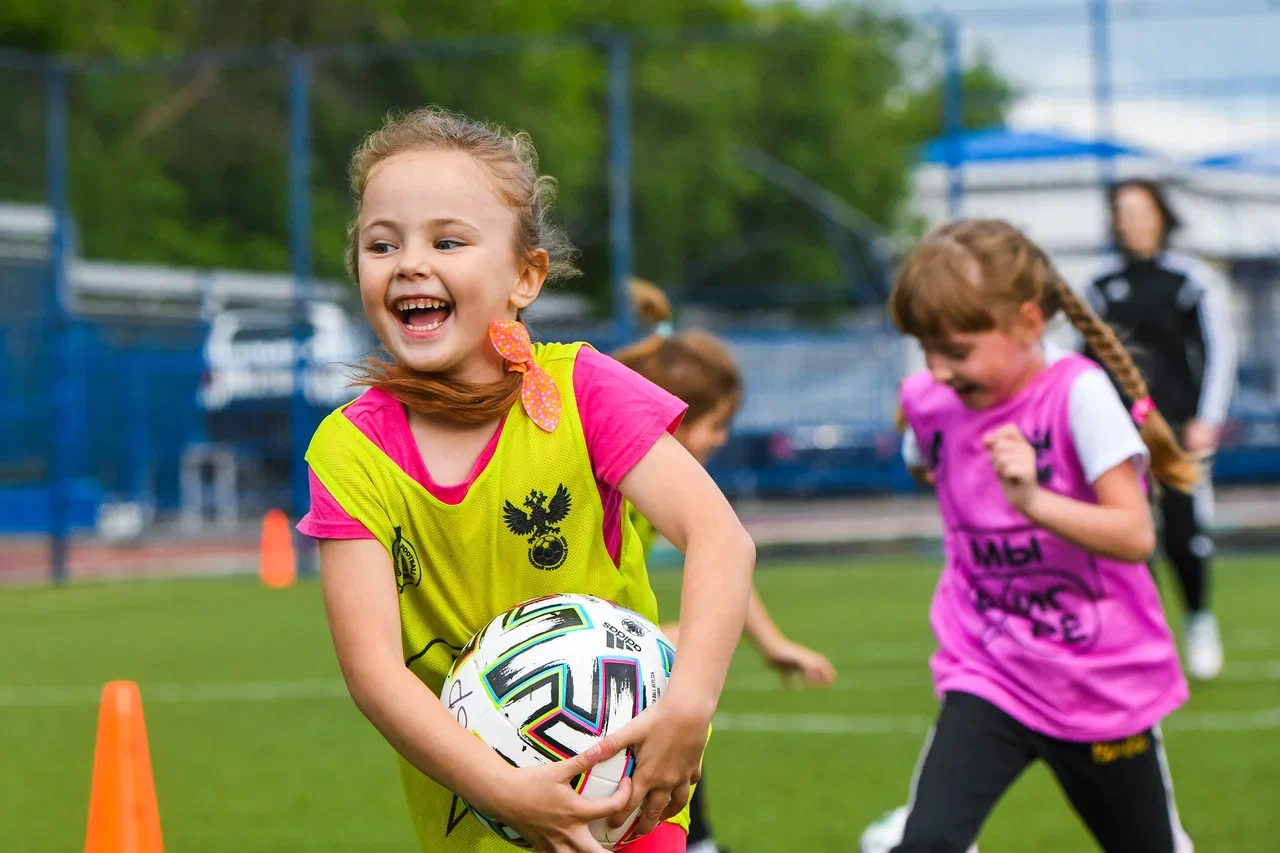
[1219, 77]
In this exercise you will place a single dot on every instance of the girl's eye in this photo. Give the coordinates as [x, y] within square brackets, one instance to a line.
[380, 247]
[448, 243]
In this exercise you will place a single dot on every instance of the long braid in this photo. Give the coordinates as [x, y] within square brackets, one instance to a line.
[1169, 462]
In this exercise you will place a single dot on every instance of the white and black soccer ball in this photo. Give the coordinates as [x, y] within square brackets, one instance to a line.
[885, 833]
[548, 679]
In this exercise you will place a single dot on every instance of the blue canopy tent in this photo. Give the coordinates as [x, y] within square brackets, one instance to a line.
[1002, 145]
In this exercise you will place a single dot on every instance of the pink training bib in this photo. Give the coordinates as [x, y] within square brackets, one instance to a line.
[1069, 643]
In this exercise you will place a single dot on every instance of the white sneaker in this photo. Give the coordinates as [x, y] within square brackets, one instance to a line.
[1203, 646]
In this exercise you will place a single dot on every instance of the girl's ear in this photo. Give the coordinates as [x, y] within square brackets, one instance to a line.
[1026, 326]
[529, 279]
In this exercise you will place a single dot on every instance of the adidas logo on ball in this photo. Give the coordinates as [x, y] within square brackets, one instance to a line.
[618, 640]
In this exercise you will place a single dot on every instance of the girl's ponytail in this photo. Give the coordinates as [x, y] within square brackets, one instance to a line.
[692, 365]
[1169, 462]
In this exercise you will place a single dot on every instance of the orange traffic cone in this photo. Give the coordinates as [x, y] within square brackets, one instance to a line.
[277, 567]
[123, 815]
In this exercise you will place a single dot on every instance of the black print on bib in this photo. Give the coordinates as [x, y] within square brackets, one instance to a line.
[1042, 443]
[405, 559]
[539, 523]
[1032, 588]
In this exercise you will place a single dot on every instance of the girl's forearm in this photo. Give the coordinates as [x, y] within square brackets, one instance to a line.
[719, 562]
[761, 628]
[1121, 533]
[430, 733]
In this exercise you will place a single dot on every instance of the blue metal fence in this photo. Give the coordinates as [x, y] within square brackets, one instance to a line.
[105, 406]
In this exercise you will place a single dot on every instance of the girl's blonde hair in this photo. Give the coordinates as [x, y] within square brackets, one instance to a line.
[512, 161]
[973, 274]
[691, 365]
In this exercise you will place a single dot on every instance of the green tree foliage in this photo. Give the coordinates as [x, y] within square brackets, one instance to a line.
[189, 165]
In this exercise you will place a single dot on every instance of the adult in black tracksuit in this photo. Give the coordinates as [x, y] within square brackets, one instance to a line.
[1172, 311]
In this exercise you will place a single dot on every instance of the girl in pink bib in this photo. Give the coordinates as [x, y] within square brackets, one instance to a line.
[1052, 643]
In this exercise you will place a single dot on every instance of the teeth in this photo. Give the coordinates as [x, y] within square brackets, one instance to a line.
[409, 304]
[426, 328]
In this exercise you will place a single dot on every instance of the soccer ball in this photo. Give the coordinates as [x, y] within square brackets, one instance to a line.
[548, 679]
[885, 833]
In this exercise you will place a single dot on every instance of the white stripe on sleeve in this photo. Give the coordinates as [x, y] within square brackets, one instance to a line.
[1214, 311]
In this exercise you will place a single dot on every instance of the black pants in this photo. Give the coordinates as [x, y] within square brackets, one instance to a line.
[1187, 543]
[1120, 789]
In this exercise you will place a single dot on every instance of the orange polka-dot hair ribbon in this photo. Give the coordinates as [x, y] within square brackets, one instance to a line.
[539, 393]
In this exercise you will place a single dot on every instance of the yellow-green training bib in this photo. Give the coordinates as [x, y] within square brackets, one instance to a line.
[531, 525]
[646, 533]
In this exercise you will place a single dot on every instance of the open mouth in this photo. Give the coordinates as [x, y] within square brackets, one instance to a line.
[422, 314]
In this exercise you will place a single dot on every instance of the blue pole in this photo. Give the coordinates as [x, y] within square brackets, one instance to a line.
[62, 404]
[620, 228]
[1103, 92]
[953, 114]
[300, 415]
[137, 425]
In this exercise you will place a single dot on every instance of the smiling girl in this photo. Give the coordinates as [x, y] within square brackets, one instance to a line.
[1052, 643]
[464, 420]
